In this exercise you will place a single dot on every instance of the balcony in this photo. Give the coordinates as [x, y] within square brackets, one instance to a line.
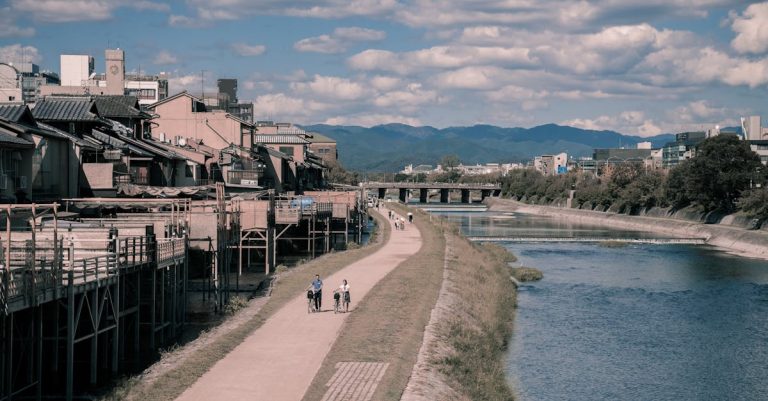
[249, 178]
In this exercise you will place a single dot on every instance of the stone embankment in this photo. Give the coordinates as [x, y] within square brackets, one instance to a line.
[750, 243]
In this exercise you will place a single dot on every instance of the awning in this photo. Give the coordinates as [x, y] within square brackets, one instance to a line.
[168, 192]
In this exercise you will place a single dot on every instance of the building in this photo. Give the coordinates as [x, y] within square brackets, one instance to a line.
[78, 78]
[683, 148]
[322, 146]
[76, 70]
[757, 136]
[20, 83]
[551, 164]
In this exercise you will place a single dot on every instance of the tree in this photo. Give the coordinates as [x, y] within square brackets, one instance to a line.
[338, 175]
[723, 168]
[450, 161]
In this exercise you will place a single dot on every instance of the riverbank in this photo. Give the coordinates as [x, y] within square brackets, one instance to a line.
[748, 243]
[466, 340]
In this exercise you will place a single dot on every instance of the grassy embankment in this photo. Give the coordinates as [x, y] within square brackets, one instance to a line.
[388, 325]
[478, 332]
[290, 283]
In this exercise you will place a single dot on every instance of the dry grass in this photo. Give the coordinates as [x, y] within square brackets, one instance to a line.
[292, 282]
[478, 332]
[524, 274]
[388, 324]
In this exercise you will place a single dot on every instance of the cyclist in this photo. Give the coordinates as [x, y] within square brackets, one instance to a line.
[344, 291]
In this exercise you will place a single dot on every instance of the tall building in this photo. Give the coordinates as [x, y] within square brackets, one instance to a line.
[20, 83]
[76, 69]
[79, 79]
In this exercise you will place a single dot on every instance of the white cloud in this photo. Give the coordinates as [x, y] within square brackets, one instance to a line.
[370, 120]
[627, 122]
[182, 21]
[285, 107]
[440, 57]
[675, 66]
[164, 57]
[8, 27]
[334, 88]
[413, 95]
[247, 50]
[339, 40]
[474, 78]
[751, 29]
[79, 10]
[19, 54]
[384, 83]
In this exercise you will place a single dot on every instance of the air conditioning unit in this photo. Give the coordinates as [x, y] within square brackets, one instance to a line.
[3, 181]
[21, 182]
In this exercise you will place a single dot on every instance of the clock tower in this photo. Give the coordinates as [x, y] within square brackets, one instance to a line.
[115, 71]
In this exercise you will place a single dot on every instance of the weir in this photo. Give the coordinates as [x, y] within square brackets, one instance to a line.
[658, 241]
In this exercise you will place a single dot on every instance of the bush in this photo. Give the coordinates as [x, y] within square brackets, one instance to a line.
[235, 304]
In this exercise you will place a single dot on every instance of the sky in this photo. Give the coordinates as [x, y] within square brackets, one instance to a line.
[640, 67]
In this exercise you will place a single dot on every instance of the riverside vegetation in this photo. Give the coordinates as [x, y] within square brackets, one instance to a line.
[725, 176]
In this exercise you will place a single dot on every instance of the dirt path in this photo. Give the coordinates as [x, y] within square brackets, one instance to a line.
[280, 359]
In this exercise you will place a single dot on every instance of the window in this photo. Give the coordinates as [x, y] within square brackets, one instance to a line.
[11, 98]
[143, 94]
[288, 150]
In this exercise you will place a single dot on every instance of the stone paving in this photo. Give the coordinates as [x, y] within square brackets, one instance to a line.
[354, 381]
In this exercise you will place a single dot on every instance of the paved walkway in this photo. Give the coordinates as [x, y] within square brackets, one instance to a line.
[278, 361]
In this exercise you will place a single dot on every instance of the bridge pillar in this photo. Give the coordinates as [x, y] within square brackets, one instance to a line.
[382, 193]
[403, 195]
[423, 192]
[444, 195]
[465, 196]
[485, 193]
[496, 192]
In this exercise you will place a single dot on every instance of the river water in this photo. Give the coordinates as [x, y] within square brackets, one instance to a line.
[641, 322]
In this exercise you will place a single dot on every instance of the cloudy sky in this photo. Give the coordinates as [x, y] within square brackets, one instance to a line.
[637, 66]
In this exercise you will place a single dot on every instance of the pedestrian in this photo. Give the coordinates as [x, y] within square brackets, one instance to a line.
[317, 288]
[343, 290]
[410, 217]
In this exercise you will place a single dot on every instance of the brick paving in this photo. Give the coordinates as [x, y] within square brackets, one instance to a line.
[354, 381]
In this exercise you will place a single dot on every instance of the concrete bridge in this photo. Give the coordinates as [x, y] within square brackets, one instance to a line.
[444, 188]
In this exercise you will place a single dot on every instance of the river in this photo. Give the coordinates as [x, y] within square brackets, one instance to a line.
[641, 322]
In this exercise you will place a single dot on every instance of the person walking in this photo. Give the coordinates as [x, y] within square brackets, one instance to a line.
[343, 290]
[317, 289]
[410, 217]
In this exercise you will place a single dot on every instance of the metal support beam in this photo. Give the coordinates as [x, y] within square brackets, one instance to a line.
[423, 195]
[444, 195]
[465, 196]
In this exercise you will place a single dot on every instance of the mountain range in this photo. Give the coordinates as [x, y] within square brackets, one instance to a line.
[390, 147]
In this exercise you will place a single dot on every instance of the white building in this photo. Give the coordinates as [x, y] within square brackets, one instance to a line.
[551, 164]
[757, 136]
[76, 69]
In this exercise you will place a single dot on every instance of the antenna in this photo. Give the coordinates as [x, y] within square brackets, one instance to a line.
[202, 85]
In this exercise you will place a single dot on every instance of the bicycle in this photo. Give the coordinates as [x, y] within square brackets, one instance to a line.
[311, 301]
[336, 303]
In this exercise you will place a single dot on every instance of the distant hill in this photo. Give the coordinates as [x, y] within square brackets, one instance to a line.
[392, 146]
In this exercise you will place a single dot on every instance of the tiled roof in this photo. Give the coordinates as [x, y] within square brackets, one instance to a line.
[12, 112]
[279, 139]
[9, 139]
[75, 109]
[74, 138]
[117, 106]
[314, 137]
[292, 130]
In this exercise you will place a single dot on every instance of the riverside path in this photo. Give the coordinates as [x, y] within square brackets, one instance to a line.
[278, 361]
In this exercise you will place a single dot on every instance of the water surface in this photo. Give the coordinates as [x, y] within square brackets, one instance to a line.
[642, 322]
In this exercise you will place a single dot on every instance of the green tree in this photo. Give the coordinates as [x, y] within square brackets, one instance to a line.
[449, 161]
[723, 168]
[338, 175]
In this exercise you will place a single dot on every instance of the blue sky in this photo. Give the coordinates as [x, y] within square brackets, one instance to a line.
[641, 67]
